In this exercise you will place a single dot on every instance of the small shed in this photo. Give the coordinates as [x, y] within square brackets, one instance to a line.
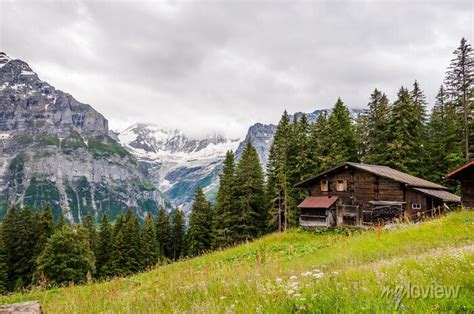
[318, 211]
[465, 175]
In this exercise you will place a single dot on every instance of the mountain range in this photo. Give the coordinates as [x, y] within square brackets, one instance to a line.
[55, 149]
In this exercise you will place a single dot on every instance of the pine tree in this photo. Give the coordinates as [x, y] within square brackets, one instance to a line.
[10, 240]
[163, 234]
[104, 249]
[131, 233]
[24, 264]
[225, 214]
[66, 258]
[319, 144]
[250, 195]
[460, 87]
[178, 234]
[403, 150]
[377, 129]
[91, 232]
[361, 132]
[301, 135]
[342, 139]
[46, 228]
[298, 164]
[61, 221]
[444, 146]
[149, 247]
[277, 187]
[118, 259]
[3, 265]
[200, 224]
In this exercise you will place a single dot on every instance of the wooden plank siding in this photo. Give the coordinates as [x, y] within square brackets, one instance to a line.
[467, 192]
[362, 187]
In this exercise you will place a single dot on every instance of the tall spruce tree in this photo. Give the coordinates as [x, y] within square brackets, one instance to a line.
[149, 248]
[200, 224]
[460, 87]
[45, 228]
[225, 213]
[3, 265]
[61, 221]
[104, 248]
[118, 258]
[131, 233]
[178, 234]
[444, 146]
[319, 143]
[341, 137]
[298, 164]
[24, 264]
[403, 150]
[163, 234]
[250, 195]
[376, 129]
[277, 187]
[91, 232]
[361, 132]
[10, 240]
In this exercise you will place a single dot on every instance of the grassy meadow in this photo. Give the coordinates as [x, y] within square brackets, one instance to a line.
[408, 268]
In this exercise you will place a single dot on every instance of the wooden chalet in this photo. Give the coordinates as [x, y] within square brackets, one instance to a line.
[465, 175]
[360, 194]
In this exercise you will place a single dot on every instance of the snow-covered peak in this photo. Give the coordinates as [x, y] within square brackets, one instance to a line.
[154, 142]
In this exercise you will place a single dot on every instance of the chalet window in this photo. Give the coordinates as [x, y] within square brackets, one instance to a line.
[341, 185]
[324, 185]
[416, 206]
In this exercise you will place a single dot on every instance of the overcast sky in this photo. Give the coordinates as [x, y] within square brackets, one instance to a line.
[221, 66]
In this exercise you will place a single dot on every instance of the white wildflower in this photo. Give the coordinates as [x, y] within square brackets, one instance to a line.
[307, 274]
[293, 277]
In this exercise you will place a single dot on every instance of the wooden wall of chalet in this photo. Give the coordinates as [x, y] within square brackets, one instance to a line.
[467, 192]
[362, 188]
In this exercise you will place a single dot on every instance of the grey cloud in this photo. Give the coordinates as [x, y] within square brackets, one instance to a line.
[221, 66]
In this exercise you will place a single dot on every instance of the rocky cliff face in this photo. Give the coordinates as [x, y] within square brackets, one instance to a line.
[56, 149]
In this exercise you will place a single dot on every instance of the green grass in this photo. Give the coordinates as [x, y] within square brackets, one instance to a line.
[48, 140]
[105, 147]
[296, 272]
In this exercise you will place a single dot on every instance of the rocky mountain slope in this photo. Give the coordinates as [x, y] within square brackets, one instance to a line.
[56, 149]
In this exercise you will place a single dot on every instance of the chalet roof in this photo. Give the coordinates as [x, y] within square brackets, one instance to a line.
[382, 171]
[318, 202]
[456, 173]
[440, 194]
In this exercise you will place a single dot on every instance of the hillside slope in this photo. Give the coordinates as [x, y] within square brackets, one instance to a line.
[298, 271]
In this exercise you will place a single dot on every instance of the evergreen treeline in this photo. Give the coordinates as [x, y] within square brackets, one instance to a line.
[36, 250]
